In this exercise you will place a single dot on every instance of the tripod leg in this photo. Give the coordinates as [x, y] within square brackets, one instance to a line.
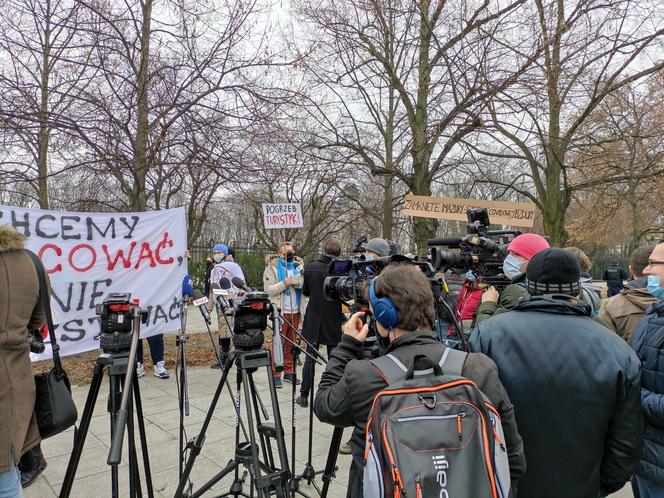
[198, 442]
[143, 437]
[114, 394]
[266, 448]
[312, 376]
[331, 463]
[254, 467]
[82, 431]
[134, 479]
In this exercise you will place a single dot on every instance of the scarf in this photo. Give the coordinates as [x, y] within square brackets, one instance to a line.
[283, 268]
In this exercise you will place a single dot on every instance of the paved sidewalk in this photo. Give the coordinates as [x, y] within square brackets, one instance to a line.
[160, 407]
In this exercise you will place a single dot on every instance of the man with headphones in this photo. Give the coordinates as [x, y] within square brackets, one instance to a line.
[403, 311]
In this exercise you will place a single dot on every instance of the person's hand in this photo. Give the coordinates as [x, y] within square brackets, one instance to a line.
[355, 328]
[288, 281]
[187, 254]
[491, 295]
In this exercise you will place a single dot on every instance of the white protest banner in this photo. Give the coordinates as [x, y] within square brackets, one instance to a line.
[89, 255]
[520, 214]
[284, 215]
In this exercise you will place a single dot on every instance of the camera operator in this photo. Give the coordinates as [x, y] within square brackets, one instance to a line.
[520, 252]
[350, 382]
[282, 280]
[376, 248]
[224, 267]
[20, 310]
[322, 324]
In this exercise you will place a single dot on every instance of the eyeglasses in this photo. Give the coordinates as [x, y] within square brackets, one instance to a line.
[655, 263]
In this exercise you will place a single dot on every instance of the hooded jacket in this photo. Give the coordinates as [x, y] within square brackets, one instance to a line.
[20, 310]
[275, 288]
[576, 393]
[350, 382]
[623, 312]
[648, 343]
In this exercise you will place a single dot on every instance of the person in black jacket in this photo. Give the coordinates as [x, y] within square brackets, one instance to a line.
[322, 322]
[574, 384]
[209, 264]
[350, 382]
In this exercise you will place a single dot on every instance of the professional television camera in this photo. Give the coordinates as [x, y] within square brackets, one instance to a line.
[250, 320]
[478, 252]
[115, 313]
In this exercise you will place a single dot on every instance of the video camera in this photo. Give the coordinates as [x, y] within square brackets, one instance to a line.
[478, 252]
[116, 313]
[251, 311]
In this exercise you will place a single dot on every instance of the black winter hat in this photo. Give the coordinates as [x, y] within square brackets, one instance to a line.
[553, 271]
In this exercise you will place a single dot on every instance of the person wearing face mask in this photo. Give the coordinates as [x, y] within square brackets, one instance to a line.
[648, 342]
[520, 251]
[223, 268]
[376, 248]
[350, 382]
[282, 280]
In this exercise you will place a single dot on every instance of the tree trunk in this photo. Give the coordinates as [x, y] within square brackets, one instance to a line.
[388, 208]
[43, 135]
[139, 198]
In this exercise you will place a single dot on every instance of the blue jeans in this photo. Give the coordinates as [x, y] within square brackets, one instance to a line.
[648, 489]
[156, 343]
[10, 481]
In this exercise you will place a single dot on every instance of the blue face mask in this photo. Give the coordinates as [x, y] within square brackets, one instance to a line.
[368, 258]
[512, 266]
[654, 286]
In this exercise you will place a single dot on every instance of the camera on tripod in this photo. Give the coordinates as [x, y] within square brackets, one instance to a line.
[251, 313]
[478, 251]
[116, 313]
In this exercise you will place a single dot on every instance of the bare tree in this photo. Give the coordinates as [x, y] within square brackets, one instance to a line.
[439, 60]
[43, 71]
[591, 49]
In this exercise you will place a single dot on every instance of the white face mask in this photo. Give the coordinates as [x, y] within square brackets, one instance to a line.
[512, 266]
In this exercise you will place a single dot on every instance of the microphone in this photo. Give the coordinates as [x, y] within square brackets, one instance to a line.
[187, 287]
[241, 284]
[186, 294]
[277, 346]
[200, 301]
[449, 242]
[218, 293]
[224, 283]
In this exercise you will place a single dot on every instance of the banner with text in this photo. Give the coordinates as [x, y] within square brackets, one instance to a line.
[285, 215]
[521, 214]
[89, 255]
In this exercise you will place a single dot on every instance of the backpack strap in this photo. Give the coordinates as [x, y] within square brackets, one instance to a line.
[392, 369]
[452, 361]
[44, 297]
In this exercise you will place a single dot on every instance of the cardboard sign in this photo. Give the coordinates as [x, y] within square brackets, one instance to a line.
[89, 255]
[286, 215]
[521, 214]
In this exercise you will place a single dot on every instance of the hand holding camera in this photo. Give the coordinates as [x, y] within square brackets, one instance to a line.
[356, 328]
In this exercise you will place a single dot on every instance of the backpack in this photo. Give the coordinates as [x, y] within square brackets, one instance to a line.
[433, 434]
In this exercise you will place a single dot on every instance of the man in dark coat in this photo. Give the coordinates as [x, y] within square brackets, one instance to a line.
[350, 382]
[209, 264]
[322, 323]
[574, 384]
[648, 342]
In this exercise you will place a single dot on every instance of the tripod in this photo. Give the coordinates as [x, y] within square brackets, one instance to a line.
[181, 376]
[274, 480]
[120, 364]
[309, 473]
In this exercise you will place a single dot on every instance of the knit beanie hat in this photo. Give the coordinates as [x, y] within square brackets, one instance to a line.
[221, 247]
[553, 271]
[378, 246]
[527, 245]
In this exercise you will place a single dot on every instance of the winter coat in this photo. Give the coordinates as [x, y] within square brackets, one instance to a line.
[350, 382]
[648, 342]
[322, 325]
[20, 310]
[510, 297]
[576, 393]
[623, 312]
[276, 288]
[590, 294]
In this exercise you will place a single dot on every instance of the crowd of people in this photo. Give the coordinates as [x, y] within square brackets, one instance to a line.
[577, 380]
